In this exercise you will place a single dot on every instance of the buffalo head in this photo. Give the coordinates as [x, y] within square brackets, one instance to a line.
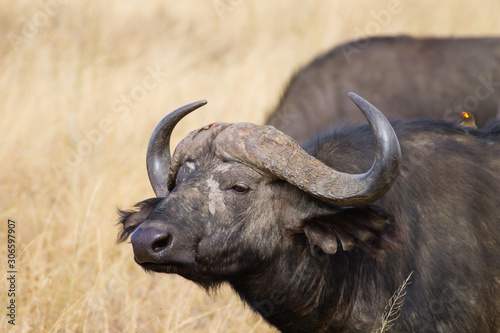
[235, 197]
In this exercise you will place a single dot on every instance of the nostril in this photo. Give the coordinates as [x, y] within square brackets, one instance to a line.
[150, 244]
[162, 243]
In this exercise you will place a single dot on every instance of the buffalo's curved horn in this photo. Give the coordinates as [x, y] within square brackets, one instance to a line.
[270, 150]
[158, 155]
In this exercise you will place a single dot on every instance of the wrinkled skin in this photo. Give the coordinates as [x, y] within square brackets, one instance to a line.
[405, 77]
[309, 266]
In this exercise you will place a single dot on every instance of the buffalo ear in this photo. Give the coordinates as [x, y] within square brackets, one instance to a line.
[131, 219]
[350, 227]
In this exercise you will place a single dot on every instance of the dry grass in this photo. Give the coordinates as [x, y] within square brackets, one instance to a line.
[72, 149]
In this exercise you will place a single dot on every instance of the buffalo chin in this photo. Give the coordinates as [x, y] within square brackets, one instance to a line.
[187, 271]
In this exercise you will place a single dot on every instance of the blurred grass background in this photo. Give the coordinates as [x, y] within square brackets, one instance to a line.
[82, 86]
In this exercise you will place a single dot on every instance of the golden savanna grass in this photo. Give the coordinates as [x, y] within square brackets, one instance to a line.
[78, 104]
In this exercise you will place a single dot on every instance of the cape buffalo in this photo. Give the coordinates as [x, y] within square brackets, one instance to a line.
[405, 77]
[316, 243]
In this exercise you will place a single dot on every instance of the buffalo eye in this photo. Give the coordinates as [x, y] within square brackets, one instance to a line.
[239, 189]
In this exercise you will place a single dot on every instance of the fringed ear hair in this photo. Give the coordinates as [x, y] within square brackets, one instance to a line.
[131, 219]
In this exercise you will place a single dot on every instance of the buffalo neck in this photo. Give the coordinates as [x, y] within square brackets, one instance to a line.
[302, 288]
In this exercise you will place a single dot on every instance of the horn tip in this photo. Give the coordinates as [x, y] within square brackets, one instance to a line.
[362, 103]
[354, 96]
[195, 105]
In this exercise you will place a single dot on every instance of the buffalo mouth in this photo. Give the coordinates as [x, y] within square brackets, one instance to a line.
[168, 268]
[187, 271]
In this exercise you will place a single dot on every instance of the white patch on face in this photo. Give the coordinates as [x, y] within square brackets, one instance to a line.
[223, 167]
[190, 165]
[215, 197]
